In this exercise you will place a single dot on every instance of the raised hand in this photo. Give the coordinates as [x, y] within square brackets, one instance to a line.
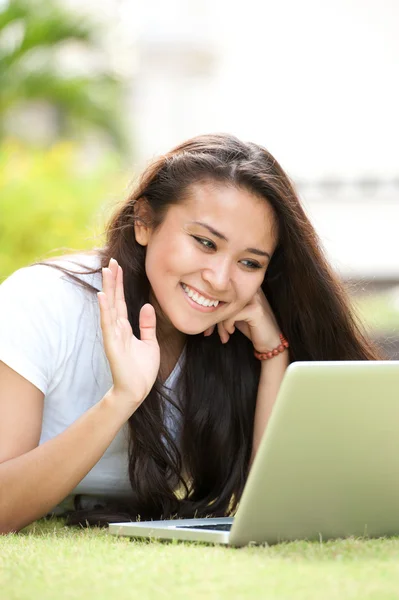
[134, 362]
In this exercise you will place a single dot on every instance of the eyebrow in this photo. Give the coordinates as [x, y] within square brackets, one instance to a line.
[223, 237]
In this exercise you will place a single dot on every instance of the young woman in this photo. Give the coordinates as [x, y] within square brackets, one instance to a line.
[150, 397]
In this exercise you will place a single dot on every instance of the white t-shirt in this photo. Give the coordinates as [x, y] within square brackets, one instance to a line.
[50, 334]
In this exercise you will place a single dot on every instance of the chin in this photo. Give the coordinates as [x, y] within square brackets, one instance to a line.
[189, 328]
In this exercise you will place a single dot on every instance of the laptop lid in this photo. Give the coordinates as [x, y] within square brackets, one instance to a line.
[328, 463]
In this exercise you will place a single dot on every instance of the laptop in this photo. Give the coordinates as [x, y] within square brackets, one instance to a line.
[327, 466]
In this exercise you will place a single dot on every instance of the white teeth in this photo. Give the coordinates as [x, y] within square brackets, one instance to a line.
[198, 298]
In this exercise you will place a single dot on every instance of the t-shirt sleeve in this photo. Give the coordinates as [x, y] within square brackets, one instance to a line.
[31, 325]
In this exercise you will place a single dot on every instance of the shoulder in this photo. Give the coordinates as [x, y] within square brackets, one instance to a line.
[45, 294]
[60, 277]
[45, 317]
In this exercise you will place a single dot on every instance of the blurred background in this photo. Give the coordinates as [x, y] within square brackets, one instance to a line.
[90, 92]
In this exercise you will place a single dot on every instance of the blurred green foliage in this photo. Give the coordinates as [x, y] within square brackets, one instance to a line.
[379, 311]
[48, 202]
[33, 35]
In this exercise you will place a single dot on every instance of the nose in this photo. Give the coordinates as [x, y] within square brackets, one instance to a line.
[218, 273]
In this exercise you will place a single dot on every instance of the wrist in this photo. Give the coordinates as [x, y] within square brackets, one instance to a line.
[272, 352]
[120, 404]
[269, 345]
[281, 360]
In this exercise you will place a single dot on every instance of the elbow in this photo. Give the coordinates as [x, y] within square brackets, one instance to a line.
[5, 529]
[8, 525]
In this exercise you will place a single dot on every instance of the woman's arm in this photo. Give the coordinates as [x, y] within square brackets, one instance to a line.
[34, 479]
[272, 372]
[258, 323]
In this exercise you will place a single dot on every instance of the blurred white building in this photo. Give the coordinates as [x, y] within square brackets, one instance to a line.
[314, 82]
[166, 53]
[359, 230]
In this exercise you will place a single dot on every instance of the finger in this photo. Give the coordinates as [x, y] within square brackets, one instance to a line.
[223, 334]
[229, 326]
[105, 315]
[209, 331]
[147, 323]
[113, 267]
[108, 286]
[120, 303]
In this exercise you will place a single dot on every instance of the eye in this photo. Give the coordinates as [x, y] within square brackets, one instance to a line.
[204, 242]
[251, 264]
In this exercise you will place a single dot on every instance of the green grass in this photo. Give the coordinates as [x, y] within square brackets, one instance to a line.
[48, 561]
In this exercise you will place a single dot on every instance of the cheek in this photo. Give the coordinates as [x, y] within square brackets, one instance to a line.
[155, 267]
[152, 262]
[248, 286]
[170, 259]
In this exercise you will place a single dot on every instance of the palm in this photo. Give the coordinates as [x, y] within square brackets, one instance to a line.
[134, 362]
[259, 311]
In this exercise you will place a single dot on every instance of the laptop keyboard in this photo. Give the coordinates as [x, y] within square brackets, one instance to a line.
[217, 527]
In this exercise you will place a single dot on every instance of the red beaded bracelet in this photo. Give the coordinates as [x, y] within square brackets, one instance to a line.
[266, 355]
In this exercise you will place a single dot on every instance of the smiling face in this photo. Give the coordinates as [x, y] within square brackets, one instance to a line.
[209, 256]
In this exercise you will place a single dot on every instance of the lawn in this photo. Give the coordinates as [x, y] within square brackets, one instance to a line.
[48, 561]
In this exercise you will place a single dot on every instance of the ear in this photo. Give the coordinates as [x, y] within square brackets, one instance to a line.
[142, 222]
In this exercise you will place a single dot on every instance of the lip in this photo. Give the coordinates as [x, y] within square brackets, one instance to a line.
[206, 309]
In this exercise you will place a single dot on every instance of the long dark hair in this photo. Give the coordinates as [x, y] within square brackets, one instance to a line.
[219, 387]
